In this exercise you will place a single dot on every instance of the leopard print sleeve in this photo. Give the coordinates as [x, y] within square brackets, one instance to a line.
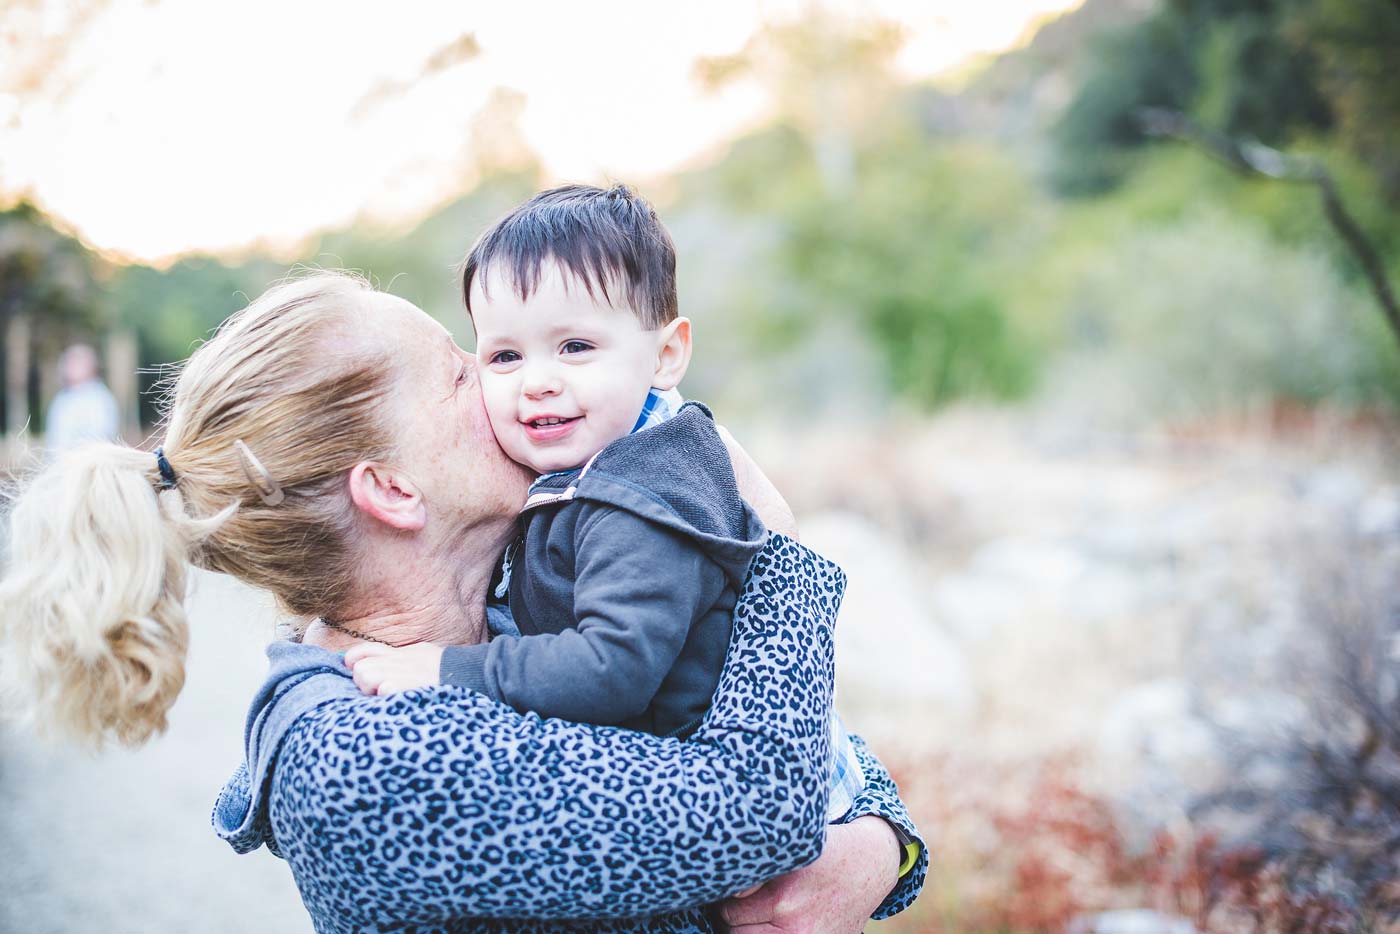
[425, 808]
[881, 798]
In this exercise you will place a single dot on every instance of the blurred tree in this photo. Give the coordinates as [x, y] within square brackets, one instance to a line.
[905, 256]
[47, 281]
[1146, 64]
[171, 310]
[463, 49]
[1357, 45]
[1268, 70]
[828, 76]
[875, 225]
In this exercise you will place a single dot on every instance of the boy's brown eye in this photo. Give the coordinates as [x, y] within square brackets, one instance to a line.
[576, 346]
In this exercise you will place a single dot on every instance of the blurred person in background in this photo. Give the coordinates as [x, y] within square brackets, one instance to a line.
[84, 409]
[330, 445]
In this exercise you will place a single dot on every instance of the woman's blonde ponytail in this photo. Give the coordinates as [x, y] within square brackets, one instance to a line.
[92, 624]
[91, 605]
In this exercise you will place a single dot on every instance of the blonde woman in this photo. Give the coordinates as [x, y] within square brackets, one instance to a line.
[329, 445]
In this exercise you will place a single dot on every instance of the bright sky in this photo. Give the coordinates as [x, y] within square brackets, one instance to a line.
[167, 126]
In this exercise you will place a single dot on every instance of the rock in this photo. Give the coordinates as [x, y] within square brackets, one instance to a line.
[1154, 755]
[1379, 515]
[1130, 921]
[897, 671]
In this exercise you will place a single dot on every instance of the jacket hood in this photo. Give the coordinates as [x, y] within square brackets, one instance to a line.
[300, 678]
[677, 475]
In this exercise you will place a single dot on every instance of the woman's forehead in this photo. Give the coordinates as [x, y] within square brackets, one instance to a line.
[403, 322]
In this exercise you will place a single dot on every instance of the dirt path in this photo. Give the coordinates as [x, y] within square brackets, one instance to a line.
[121, 842]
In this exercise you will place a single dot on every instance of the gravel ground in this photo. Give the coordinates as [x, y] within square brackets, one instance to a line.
[120, 841]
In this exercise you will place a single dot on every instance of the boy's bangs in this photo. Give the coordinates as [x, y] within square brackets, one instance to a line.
[600, 274]
[610, 242]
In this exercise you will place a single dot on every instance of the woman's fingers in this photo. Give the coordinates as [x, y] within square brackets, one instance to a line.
[752, 906]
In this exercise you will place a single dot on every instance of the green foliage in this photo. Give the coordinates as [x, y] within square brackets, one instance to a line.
[48, 276]
[421, 264]
[904, 256]
[1209, 312]
[896, 254]
[1151, 64]
[1357, 43]
[1269, 70]
[1256, 82]
[874, 243]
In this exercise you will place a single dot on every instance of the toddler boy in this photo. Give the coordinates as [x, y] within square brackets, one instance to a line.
[635, 540]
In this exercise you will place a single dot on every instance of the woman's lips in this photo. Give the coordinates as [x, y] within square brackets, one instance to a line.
[540, 433]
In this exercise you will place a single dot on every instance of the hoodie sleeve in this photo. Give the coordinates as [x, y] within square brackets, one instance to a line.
[441, 804]
[638, 589]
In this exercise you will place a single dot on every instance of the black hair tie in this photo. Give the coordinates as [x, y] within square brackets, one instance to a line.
[167, 473]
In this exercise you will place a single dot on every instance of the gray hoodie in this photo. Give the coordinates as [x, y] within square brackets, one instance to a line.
[624, 585]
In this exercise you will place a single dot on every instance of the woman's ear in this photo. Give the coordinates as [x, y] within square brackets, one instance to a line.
[672, 354]
[388, 496]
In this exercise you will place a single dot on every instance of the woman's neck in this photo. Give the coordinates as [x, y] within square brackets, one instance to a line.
[409, 596]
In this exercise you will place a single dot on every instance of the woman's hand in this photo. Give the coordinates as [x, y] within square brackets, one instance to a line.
[386, 669]
[837, 894]
[758, 490]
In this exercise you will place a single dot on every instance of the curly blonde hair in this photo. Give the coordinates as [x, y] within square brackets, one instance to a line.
[93, 622]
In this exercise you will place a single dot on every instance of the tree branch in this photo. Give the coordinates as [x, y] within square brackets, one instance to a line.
[1255, 158]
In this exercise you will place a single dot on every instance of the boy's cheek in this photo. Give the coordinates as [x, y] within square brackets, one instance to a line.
[499, 401]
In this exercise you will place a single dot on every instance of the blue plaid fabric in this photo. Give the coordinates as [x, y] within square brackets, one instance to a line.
[847, 777]
[659, 407]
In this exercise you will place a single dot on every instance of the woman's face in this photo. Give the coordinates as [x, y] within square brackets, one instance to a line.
[445, 442]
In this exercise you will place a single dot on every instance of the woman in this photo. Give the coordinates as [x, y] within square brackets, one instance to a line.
[329, 445]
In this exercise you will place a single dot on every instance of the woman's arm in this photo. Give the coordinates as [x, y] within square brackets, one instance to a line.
[834, 895]
[757, 489]
[441, 804]
[865, 870]
[881, 798]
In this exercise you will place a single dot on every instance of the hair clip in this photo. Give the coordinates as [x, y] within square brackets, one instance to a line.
[258, 476]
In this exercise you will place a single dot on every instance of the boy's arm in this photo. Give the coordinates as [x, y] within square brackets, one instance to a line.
[638, 588]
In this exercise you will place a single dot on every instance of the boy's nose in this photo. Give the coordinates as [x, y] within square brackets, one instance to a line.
[539, 382]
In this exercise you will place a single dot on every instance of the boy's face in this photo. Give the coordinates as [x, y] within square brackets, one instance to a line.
[563, 374]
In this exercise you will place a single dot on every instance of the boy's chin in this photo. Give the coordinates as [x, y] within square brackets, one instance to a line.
[539, 461]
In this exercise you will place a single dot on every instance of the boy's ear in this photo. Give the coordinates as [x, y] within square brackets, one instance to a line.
[672, 354]
[388, 496]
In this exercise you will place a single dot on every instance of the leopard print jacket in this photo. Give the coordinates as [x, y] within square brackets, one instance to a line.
[439, 810]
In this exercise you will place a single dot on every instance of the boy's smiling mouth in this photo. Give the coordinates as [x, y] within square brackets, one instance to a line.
[550, 427]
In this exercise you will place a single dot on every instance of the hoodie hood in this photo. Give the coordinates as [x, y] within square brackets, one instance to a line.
[677, 475]
[300, 678]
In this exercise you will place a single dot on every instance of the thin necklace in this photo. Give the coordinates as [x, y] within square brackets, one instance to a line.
[332, 624]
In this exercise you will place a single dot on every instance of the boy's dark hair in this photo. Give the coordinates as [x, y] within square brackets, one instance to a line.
[601, 236]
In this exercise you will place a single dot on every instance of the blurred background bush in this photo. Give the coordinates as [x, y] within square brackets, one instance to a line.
[1103, 429]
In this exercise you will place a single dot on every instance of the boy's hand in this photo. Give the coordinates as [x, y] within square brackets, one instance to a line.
[384, 669]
